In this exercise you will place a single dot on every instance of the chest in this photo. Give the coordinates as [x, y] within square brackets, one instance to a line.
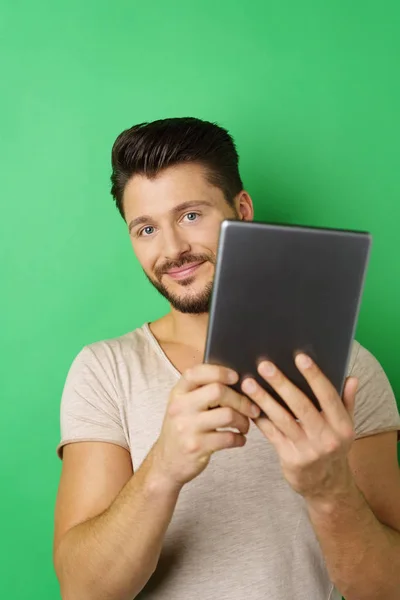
[182, 356]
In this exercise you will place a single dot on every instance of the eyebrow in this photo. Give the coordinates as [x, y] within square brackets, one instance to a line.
[177, 209]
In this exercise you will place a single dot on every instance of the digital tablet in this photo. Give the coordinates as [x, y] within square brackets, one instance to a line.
[281, 289]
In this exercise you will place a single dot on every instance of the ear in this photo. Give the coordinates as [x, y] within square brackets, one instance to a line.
[244, 206]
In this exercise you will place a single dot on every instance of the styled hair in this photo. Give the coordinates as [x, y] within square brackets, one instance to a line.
[148, 148]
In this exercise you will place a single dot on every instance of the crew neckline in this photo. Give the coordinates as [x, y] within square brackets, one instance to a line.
[159, 350]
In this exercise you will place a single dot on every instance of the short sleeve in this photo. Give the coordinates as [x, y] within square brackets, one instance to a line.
[375, 410]
[89, 409]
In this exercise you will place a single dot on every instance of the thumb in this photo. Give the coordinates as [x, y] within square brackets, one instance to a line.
[349, 395]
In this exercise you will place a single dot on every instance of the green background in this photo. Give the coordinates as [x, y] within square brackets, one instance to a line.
[310, 91]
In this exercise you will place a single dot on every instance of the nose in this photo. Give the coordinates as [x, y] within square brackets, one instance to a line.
[174, 244]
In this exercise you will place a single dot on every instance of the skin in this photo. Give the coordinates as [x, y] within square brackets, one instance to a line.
[317, 452]
[172, 239]
[351, 488]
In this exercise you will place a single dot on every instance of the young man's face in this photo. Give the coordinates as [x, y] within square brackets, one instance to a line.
[174, 222]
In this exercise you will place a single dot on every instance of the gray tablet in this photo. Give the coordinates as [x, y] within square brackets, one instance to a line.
[280, 289]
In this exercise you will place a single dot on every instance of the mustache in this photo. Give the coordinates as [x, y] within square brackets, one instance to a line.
[184, 260]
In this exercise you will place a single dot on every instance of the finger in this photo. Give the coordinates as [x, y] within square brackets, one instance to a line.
[277, 414]
[297, 401]
[271, 432]
[223, 417]
[349, 395]
[203, 374]
[221, 440]
[327, 395]
[217, 394]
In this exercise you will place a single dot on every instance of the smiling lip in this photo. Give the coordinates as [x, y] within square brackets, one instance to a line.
[184, 271]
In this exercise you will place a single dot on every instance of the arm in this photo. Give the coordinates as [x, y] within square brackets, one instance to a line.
[109, 524]
[359, 532]
[322, 461]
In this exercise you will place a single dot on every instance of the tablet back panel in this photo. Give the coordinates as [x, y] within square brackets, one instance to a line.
[280, 289]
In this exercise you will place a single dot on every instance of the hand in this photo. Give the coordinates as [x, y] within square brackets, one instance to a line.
[188, 436]
[313, 452]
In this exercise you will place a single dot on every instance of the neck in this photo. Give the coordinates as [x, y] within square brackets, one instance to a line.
[187, 329]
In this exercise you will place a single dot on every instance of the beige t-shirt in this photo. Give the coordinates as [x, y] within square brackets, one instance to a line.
[238, 530]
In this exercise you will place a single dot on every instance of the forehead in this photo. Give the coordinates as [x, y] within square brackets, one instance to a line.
[171, 187]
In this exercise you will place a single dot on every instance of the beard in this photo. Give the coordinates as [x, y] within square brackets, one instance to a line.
[192, 303]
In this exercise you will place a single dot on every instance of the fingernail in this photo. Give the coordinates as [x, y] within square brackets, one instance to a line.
[249, 386]
[303, 361]
[267, 369]
[232, 376]
[356, 382]
[255, 410]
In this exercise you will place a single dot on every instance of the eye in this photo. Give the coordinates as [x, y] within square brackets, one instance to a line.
[192, 216]
[146, 231]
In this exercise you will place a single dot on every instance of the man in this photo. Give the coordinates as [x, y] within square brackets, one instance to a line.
[160, 496]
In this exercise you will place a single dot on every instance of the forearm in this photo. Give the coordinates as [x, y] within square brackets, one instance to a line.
[113, 555]
[362, 555]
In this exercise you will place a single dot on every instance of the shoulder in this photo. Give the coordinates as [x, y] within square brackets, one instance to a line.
[364, 364]
[117, 351]
[109, 362]
[97, 386]
[130, 362]
[105, 369]
[375, 407]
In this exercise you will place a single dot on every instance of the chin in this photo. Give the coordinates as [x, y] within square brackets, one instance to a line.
[192, 302]
[190, 296]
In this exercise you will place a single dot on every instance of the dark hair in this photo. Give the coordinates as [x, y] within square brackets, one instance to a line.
[148, 148]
